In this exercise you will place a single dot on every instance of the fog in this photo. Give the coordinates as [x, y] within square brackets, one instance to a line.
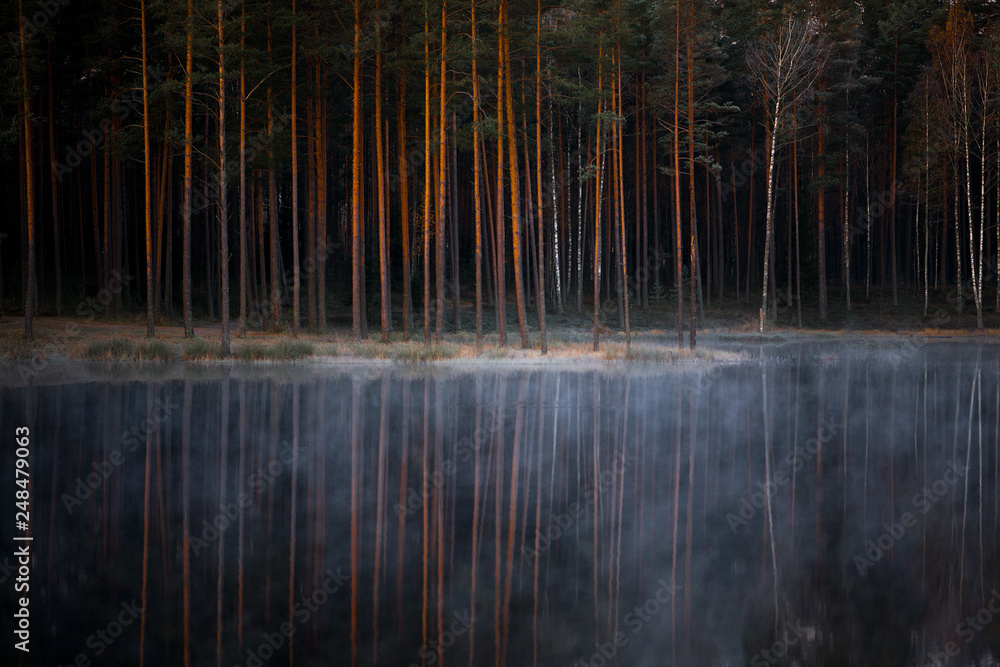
[812, 505]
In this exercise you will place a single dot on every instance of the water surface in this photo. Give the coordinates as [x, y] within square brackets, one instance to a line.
[814, 505]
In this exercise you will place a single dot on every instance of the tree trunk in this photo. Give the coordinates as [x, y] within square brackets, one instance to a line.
[404, 206]
[477, 203]
[383, 256]
[820, 206]
[597, 198]
[150, 304]
[296, 278]
[223, 210]
[515, 204]
[678, 251]
[188, 164]
[56, 241]
[772, 141]
[427, 177]
[356, 296]
[623, 260]
[499, 226]
[692, 214]
[29, 172]
[441, 184]
[242, 329]
[538, 177]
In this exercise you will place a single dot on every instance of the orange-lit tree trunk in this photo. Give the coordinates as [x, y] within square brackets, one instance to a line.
[501, 234]
[150, 305]
[188, 163]
[296, 278]
[427, 177]
[383, 255]
[598, 182]
[242, 328]
[515, 204]
[477, 203]
[223, 211]
[404, 204]
[622, 260]
[538, 177]
[441, 181]
[29, 173]
[356, 301]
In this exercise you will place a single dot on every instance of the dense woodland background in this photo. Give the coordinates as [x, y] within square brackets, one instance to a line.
[292, 165]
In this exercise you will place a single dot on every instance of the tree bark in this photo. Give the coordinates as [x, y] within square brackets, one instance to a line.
[477, 203]
[515, 204]
[383, 256]
[356, 250]
[223, 210]
[538, 177]
[150, 304]
[29, 172]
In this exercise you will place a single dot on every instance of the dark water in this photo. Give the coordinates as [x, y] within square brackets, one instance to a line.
[820, 506]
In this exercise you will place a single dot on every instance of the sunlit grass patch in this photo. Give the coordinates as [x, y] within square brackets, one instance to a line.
[200, 349]
[251, 352]
[370, 350]
[120, 349]
[289, 350]
[327, 350]
[283, 350]
[125, 349]
[157, 350]
[15, 346]
[417, 352]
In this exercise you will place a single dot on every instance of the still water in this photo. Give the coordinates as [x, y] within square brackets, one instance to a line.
[812, 505]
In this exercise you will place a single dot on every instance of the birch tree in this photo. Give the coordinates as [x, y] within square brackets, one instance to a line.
[783, 66]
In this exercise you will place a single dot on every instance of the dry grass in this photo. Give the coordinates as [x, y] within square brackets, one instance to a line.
[283, 350]
[126, 349]
[199, 349]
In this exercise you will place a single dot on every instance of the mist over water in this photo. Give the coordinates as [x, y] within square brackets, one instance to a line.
[815, 505]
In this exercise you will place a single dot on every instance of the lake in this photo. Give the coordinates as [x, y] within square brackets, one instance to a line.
[814, 504]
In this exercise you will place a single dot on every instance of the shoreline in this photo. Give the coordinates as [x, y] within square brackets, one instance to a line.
[68, 350]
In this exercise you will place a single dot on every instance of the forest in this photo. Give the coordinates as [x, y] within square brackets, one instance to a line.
[401, 168]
